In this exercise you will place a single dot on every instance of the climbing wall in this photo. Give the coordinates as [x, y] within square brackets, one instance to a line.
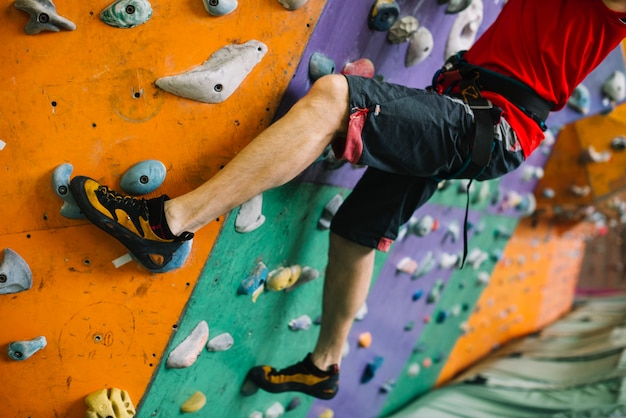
[114, 326]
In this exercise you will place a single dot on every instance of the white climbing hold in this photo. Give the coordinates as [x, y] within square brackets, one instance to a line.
[301, 323]
[222, 342]
[43, 17]
[593, 156]
[15, 274]
[292, 5]
[250, 217]
[122, 260]
[2, 144]
[420, 46]
[580, 100]
[447, 260]
[413, 370]
[276, 410]
[186, 353]
[217, 78]
[483, 278]
[345, 349]
[329, 212]
[360, 315]
[477, 257]
[406, 265]
[614, 88]
[464, 29]
[402, 29]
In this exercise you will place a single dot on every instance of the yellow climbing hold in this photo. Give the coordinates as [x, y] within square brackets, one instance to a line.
[194, 403]
[112, 402]
[328, 413]
[283, 277]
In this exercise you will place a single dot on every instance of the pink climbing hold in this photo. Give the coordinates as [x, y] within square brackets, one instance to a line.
[362, 67]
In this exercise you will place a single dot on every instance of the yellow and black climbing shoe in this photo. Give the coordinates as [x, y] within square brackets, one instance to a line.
[137, 223]
[302, 377]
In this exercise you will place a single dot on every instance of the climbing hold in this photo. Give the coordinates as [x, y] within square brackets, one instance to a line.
[590, 155]
[371, 369]
[255, 280]
[327, 413]
[276, 410]
[614, 88]
[360, 315]
[363, 67]
[21, 350]
[250, 217]
[580, 99]
[483, 278]
[61, 186]
[179, 258]
[301, 323]
[476, 258]
[442, 316]
[579, 191]
[435, 292]
[111, 402]
[186, 353]
[220, 7]
[320, 65]
[345, 350]
[43, 17]
[388, 386]
[413, 370]
[417, 295]
[402, 29]
[618, 143]
[501, 232]
[453, 231]
[222, 342]
[456, 6]
[419, 226]
[548, 193]
[427, 362]
[383, 15]
[218, 77]
[425, 266]
[531, 172]
[15, 275]
[307, 274]
[292, 5]
[283, 277]
[464, 29]
[255, 414]
[329, 212]
[420, 46]
[194, 403]
[143, 177]
[409, 326]
[406, 265]
[365, 340]
[126, 14]
[449, 260]
[293, 404]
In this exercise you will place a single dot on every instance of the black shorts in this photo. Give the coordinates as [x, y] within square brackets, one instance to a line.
[408, 138]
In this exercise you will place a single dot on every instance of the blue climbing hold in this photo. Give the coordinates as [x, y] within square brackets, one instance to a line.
[383, 15]
[417, 295]
[61, 186]
[21, 350]
[320, 65]
[143, 177]
[178, 258]
[371, 369]
[255, 280]
[15, 274]
[580, 99]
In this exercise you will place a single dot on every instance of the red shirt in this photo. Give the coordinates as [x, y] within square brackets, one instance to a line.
[551, 46]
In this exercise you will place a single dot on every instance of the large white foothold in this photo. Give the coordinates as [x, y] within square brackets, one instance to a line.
[218, 77]
[186, 353]
[420, 46]
[465, 28]
[250, 217]
[15, 275]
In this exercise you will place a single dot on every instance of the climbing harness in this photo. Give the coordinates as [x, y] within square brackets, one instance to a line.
[458, 78]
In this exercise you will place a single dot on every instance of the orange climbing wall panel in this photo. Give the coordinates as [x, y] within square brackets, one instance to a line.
[532, 285]
[88, 98]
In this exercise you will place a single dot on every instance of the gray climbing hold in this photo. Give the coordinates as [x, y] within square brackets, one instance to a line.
[143, 177]
[402, 30]
[21, 350]
[292, 5]
[127, 13]
[220, 7]
[222, 342]
[301, 323]
[420, 46]
[218, 77]
[464, 29]
[329, 212]
[250, 217]
[15, 275]
[43, 17]
[306, 275]
[456, 6]
[320, 65]
[614, 88]
[186, 353]
[61, 186]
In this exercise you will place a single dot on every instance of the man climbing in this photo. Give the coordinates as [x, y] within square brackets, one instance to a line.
[483, 116]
